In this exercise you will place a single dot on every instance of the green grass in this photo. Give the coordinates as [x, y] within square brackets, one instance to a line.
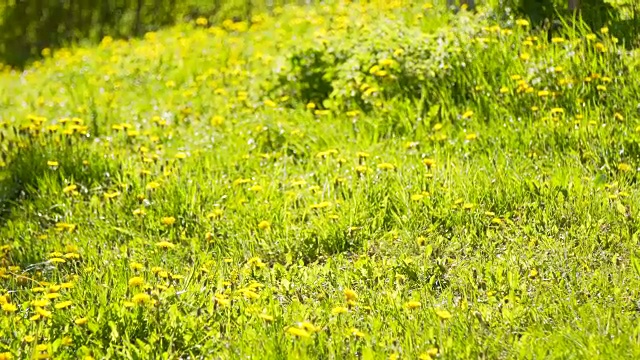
[456, 189]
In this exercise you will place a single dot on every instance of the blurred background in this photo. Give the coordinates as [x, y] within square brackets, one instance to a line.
[29, 26]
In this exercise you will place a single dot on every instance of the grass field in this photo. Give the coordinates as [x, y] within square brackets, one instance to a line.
[345, 181]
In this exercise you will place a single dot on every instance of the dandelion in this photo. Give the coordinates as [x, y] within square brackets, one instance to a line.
[339, 310]
[202, 21]
[413, 305]
[69, 189]
[297, 332]
[52, 163]
[40, 303]
[321, 205]
[6, 356]
[386, 166]
[136, 281]
[522, 22]
[264, 225]
[63, 304]
[350, 295]
[168, 220]
[429, 163]
[165, 245]
[8, 307]
[624, 167]
[81, 321]
[443, 314]
[153, 185]
[141, 298]
[533, 273]
[467, 114]
[357, 333]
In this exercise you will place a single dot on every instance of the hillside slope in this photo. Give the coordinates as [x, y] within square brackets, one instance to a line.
[344, 181]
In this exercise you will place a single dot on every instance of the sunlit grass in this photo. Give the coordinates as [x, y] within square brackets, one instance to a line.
[343, 181]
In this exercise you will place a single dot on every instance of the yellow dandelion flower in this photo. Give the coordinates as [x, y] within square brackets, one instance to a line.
[264, 225]
[141, 298]
[350, 295]
[443, 314]
[40, 303]
[70, 188]
[165, 245]
[624, 167]
[63, 304]
[168, 220]
[52, 163]
[301, 333]
[136, 281]
[8, 307]
[386, 166]
[339, 310]
[413, 305]
[81, 321]
[429, 163]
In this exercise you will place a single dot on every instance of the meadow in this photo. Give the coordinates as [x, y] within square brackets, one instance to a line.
[343, 181]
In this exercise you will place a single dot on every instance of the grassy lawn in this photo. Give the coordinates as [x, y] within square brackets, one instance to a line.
[346, 181]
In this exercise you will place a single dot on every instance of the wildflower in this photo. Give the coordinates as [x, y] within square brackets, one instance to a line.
[81, 321]
[217, 120]
[443, 314]
[429, 163]
[52, 163]
[202, 21]
[467, 114]
[141, 298]
[533, 273]
[413, 305]
[618, 116]
[264, 225]
[136, 281]
[63, 304]
[168, 220]
[165, 245]
[339, 310]
[153, 185]
[5, 356]
[298, 332]
[42, 312]
[321, 205]
[216, 213]
[522, 22]
[350, 295]
[624, 167]
[139, 212]
[40, 303]
[386, 166]
[69, 189]
[8, 307]
[357, 333]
